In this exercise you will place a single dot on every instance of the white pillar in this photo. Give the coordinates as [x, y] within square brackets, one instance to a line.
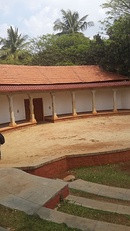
[54, 115]
[11, 110]
[114, 100]
[31, 107]
[93, 102]
[74, 113]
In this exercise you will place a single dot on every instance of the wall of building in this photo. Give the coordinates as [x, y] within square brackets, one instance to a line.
[4, 110]
[19, 109]
[47, 104]
[83, 101]
[104, 99]
[63, 102]
[125, 98]
[46, 100]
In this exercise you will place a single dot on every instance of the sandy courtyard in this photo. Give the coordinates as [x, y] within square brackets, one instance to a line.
[40, 143]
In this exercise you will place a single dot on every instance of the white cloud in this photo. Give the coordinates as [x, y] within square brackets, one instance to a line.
[34, 5]
[40, 23]
[37, 17]
[102, 12]
[6, 6]
[3, 30]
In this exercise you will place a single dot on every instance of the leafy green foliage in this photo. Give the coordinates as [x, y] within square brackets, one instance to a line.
[115, 50]
[14, 41]
[12, 48]
[73, 49]
[22, 57]
[117, 8]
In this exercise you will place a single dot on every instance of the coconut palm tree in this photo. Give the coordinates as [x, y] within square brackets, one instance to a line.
[71, 23]
[13, 42]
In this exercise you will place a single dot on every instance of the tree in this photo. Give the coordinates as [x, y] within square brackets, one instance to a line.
[97, 49]
[71, 23]
[45, 50]
[117, 8]
[120, 30]
[114, 52]
[13, 48]
[116, 49]
[13, 42]
[67, 49]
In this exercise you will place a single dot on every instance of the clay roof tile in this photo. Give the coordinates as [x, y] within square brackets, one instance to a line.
[25, 75]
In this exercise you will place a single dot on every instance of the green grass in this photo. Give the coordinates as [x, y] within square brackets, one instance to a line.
[117, 175]
[94, 214]
[16, 220]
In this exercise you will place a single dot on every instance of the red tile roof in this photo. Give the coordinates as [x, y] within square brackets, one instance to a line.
[49, 75]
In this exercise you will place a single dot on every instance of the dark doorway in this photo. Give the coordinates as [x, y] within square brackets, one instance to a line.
[38, 109]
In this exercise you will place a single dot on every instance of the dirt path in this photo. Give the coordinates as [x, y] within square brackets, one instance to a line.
[44, 142]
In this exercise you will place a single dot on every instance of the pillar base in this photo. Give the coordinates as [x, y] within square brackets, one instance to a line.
[33, 121]
[55, 117]
[115, 110]
[74, 114]
[94, 112]
[12, 124]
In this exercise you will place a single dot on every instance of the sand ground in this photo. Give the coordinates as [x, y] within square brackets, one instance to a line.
[43, 142]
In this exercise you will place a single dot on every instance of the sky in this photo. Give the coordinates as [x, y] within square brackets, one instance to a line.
[36, 17]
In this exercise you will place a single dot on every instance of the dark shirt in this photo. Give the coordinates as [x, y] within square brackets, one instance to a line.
[2, 139]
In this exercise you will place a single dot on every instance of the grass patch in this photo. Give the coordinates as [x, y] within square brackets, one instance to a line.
[16, 220]
[117, 175]
[80, 193]
[94, 214]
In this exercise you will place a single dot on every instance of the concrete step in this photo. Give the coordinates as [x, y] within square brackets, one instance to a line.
[79, 222]
[102, 190]
[95, 204]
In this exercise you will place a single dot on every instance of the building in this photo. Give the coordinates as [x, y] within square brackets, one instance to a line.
[35, 94]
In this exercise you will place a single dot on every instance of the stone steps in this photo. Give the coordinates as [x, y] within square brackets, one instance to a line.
[95, 204]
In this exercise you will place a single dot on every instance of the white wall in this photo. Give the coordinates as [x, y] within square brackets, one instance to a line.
[125, 98]
[47, 104]
[19, 109]
[104, 99]
[83, 101]
[63, 102]
[119, 98]
[4, 109]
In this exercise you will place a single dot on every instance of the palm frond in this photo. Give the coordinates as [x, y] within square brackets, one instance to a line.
[71, 23]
